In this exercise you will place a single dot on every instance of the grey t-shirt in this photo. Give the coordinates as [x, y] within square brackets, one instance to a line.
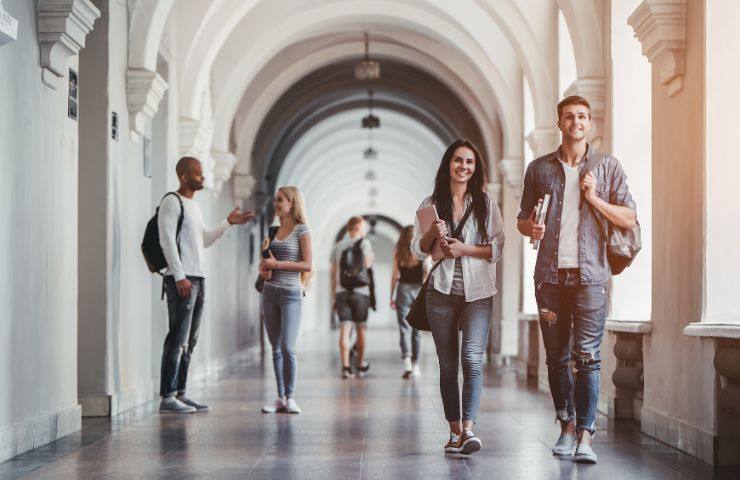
[336, 257]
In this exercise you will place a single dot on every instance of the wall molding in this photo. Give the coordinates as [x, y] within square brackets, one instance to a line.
[144, 90]
[62, 28]
[660, 26]
[714, 330]
[244, 185]
[628, 326]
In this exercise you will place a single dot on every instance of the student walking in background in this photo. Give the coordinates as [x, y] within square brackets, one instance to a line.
[407, 275]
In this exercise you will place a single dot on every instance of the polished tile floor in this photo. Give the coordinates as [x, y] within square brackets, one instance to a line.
[380, 427]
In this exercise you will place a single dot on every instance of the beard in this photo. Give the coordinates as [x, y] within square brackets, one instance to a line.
[194, 185]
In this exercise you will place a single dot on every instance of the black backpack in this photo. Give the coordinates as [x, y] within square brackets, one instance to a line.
[352, 271]
[150, 246]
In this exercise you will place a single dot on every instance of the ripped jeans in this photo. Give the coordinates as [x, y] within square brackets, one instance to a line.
[571, 308]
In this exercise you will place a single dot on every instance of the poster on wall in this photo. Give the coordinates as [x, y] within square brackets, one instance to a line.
[72, 98]
[114, 126]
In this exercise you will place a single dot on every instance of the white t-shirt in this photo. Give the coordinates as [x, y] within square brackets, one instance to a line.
[568, 240]
[336, 258]
[194, 237]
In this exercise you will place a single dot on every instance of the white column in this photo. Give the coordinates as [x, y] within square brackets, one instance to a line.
[632, 145]
[721, 315]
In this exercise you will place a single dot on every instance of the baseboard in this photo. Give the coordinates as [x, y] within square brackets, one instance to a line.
[101, 405]
[684, 436]
[35, 432]
[95, 405]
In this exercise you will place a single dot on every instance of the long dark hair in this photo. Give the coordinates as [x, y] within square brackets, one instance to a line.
[442, 196]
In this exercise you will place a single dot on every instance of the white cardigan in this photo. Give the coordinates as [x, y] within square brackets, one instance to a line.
[479, 275]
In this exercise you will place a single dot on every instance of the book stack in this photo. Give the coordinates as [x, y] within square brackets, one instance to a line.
[539, 216]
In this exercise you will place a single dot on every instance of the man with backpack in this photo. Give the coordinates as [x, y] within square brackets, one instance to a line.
[183, 238]
[351, 259]
[590, 210]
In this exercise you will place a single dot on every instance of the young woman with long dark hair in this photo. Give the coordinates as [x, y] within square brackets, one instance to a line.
[460, 294]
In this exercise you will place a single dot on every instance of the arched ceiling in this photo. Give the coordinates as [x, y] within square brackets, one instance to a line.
[333, 89]
[327, 165]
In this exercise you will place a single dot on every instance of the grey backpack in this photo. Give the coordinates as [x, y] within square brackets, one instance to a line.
[622, 244]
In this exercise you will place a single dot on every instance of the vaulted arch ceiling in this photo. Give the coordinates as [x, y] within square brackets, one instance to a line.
[333, 89]
[327, 164]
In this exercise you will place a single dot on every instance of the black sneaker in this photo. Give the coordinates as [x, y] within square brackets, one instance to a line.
[347, 372]
[363, 369]
[469, 443]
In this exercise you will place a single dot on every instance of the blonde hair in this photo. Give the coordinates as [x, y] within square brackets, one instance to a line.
[298, 213]
[403, 254]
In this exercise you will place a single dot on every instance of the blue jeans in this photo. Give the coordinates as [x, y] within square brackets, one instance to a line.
[447, 315]
[282, 310]
[571, 308]
[410, 337]
[184, 323]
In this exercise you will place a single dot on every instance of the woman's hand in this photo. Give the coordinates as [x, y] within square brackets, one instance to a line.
[269, 263]
[266, 274]
[453, 248]
[438, 229]
[393, 305]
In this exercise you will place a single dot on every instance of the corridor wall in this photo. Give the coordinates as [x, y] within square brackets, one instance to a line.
[38, 289]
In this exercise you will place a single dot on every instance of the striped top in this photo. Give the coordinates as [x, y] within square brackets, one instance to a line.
[288, 249]
[458, 285]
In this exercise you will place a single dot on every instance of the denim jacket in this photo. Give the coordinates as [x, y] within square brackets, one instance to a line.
[479, 275]
[546, 175]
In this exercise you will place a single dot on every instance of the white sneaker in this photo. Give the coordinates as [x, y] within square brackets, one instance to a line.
[278, 407]
[173, 405]
[584, 454]
[407, 367]
[292, 407]
[415, 370]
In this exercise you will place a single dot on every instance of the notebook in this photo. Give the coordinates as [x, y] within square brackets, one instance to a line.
[427, 215]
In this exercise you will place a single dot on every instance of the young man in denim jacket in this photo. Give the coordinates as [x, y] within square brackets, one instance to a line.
[572, 272]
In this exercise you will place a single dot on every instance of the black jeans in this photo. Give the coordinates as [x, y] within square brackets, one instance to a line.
[184, 323]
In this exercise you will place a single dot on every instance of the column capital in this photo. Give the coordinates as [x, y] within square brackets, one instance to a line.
[62, 28]
[144, 91]
[494, 188]
[592, 89]
[192, 136]
[543, 140]
[223, 165]
[244, 185]
[8, 27]
[512, 171]
[660, 25]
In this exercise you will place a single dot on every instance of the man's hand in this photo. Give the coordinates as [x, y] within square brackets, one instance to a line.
[588, 185]
[237, 217]
[452, 248]
[270, 263]
[183, 287]
[531, 229]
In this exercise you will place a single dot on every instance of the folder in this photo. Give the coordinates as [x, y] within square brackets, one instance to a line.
[428, 215]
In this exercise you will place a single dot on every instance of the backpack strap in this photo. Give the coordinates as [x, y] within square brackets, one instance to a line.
[179, 227]
[591, 164]
[272, 233]
[179, 220]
